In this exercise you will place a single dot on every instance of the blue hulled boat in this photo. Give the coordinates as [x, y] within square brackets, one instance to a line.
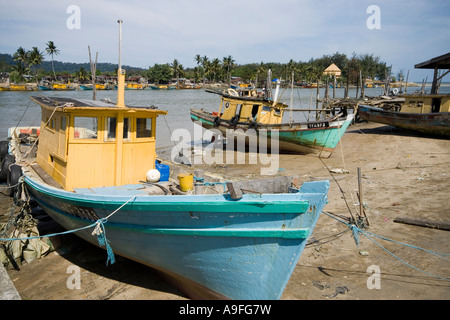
[95, 166]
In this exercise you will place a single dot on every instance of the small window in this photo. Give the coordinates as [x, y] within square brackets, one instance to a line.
[111, 124]
[63, 123]
[144, 128]
[85, 128]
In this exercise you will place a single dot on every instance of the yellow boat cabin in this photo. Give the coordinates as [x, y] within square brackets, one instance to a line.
[88, 144]
[249, 108]
[430, 103]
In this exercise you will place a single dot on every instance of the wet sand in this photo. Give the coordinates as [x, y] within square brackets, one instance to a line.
[403, 175]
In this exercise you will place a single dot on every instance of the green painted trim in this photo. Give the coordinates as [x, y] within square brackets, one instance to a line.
[180, 203]
[219, 232]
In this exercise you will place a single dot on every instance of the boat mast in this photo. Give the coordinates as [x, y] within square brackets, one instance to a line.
[120, 73]
[120, 104]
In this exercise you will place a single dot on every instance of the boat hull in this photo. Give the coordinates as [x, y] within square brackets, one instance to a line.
[318, 137]
[213, 247]
[437, 124]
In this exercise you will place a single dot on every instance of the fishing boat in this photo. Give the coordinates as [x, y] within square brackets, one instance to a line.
[96, 165]
[97, 87]
[134, 86]
[424, 113]
[248, 112]
[163, 87]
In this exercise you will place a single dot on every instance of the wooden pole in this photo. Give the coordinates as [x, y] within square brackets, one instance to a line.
[317, 100]
[360, 195]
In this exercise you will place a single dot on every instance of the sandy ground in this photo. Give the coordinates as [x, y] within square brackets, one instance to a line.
[403, 175]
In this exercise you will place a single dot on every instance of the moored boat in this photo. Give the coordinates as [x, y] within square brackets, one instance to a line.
[95, 164]
[250, 113]
[424, 113]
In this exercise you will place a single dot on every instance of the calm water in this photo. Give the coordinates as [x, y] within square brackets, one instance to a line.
[17, 109]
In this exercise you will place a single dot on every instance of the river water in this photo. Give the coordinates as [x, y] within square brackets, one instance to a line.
[17, 109]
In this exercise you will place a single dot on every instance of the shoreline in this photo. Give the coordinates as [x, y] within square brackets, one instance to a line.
[403, 174]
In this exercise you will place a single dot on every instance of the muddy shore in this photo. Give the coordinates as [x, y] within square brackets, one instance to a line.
[403, 175]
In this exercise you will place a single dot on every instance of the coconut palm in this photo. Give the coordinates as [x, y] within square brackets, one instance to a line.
[228, 65]
[51, 50]
[22, 56]
[19, 70]
[82, 75]
[177, 70]
[36, 59]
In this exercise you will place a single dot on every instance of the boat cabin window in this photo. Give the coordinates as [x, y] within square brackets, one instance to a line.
[255, 110]
[51, 123]
[266, 108]
[111, 125]
[238, 110]
[144, 128]
[85, 128]
[63, 123]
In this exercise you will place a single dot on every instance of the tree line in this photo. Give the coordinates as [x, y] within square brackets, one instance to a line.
[207, 70]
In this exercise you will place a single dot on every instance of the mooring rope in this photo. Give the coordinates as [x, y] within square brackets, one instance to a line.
[357, 230]
[99, 231]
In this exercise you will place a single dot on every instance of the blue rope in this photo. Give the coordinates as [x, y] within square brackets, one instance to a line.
[101, 237]
[357, 230]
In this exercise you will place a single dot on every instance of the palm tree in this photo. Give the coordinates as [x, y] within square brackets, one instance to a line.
[260, 70]
[228, 64]
[18, 71]
[51, 50]
[22, 56]
[82, 75]
[177, 70]
[36, 59]
[215, 67]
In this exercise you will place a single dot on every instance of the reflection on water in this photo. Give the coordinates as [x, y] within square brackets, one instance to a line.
[17, 109]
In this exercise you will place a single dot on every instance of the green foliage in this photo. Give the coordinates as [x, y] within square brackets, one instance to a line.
[159, 73]
[211, 70]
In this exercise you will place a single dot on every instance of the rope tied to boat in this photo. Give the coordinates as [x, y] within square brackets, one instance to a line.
[99, 229]
[100, 232]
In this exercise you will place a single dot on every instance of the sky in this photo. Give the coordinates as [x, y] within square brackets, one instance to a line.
[401, 33]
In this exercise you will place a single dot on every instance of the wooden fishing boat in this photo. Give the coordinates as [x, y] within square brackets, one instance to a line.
[424, 113]
[163, 87]
[95, 165]
[431, 123]
[251, 113]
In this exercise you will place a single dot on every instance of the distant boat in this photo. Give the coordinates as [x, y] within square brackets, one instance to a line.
[95, 165]
[253, 113]
[97, 87]
[62, 87]
[45, 88]
[134, 86]
[429, 114]
[17, 87]
[163, 87]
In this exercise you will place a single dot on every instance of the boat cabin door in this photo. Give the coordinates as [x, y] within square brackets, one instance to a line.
[435, 105]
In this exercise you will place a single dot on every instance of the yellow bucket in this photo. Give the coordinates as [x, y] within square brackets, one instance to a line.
[186, 181]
